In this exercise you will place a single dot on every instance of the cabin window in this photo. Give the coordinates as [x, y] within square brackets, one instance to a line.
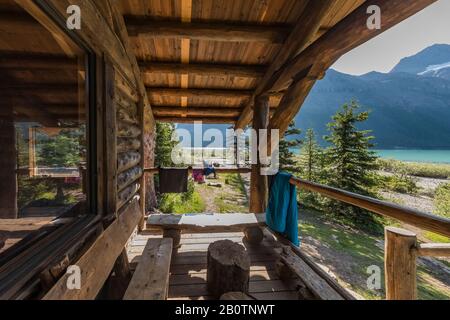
[44, 124]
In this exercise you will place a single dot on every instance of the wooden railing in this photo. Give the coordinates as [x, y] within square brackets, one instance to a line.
[410, 216]
[401, 246]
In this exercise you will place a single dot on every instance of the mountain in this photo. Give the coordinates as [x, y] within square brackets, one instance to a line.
[410, 106]
[432, 61]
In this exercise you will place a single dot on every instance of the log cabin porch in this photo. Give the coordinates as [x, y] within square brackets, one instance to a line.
[105, 85]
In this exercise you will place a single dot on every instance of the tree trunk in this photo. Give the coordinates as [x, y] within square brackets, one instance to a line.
[228, 268]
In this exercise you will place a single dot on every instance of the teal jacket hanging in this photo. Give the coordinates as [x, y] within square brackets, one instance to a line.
[282, 211]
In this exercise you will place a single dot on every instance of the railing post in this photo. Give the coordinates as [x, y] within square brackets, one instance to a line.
[400, 264]
[258, 183]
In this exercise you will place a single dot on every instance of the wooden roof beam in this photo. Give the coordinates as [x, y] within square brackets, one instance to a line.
[196, 112]
[307, 26]
[209, 31]
[212, 120]
[199, 93]
[245, 71]
[301, 73]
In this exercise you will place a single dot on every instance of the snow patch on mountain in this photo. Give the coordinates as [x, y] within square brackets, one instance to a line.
[433, 69]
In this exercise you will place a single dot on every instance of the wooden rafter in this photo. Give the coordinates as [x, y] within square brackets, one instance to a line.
[250, 71]
[306, 28]
[197, 112]
[346, 35]
[192, 93]
[205, 31]
[212, 120]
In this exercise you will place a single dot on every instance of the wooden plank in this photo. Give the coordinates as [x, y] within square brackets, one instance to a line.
[196, 119]
[305, 29]
[433, 250]
[202, 93]
[267, 286]
[198, 69]
[318, 286]
[151, 278]
[198, 278]
[97, 263]
[196, 112]
[206, 222]
[205, 31]
[200, 268]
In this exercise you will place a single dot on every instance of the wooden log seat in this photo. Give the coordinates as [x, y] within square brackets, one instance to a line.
[206, 223]
[150, 281]
[228, 268]
[313, 286]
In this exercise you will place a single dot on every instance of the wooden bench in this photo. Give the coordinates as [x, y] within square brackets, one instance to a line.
[150, 281]
[206, 223]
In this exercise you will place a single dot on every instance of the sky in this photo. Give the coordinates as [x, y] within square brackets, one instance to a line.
[428, 27]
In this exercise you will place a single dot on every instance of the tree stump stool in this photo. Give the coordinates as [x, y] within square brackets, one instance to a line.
[228, 268]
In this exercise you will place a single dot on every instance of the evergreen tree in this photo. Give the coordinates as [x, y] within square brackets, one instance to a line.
[289, 142]
[311, 160]
[164, 144]
[350, 161]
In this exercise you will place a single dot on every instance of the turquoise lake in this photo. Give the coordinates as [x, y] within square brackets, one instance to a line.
[436, 156]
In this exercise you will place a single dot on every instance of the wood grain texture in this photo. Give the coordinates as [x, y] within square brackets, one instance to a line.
[151, 278]
[400, 264]
[97, 263]
[206, 222]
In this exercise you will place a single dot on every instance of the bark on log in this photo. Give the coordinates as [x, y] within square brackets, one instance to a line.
[126, 145]
[127, 194]
[228, 268]
[125, 117]
[128, 160]
[127, 177]
[128, 131]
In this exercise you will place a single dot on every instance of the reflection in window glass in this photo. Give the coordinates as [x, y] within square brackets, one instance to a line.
[43, 113]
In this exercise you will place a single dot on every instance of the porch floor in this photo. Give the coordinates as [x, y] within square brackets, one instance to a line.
[188, 267]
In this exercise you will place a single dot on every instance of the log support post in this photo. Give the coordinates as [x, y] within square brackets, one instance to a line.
[175, 234]
[8, 167]
[259, 184]
[400, 264]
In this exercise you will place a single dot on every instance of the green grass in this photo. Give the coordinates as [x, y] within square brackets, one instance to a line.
[442, 200]
[226, 205]
[436, 238]
[174, 203]
[363, 251]
[427, 170]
